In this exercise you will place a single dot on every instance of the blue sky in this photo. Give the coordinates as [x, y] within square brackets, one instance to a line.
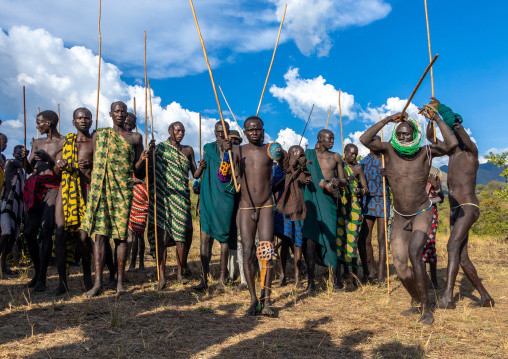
[373, 50]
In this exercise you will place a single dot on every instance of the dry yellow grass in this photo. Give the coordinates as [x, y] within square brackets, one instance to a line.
[178, 323]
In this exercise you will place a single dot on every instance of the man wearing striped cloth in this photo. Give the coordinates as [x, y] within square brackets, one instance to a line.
[173, 162]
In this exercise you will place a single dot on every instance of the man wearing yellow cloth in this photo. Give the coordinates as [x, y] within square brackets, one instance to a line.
[350, 217]
[76, 166]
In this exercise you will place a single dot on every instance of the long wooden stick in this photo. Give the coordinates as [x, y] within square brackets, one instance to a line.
[328, 119]
[200, 136]
[340, 117]
[271, 63]
[215, 92]
[385, 221]
[232, 114]
[151, 115]
[38, 112]
[99, 76]
[154, 185]
[146, 117]
[58, 117]
[135, 114]
[430, 58]
[301, 138]
[24, 115]
[419, 83]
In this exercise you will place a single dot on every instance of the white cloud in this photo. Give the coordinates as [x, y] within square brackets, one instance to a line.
[228, 27]
[301, 94]
[69, 76]
[289, 137]
[310, 22]
[354, 138]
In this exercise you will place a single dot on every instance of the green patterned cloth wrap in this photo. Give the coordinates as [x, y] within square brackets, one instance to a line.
[173, 194]
[217, 200]
[449, 117]
[320, 223]
[349, 222]
[111, 189]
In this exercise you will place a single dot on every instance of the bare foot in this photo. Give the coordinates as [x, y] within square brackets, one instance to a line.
[120, 289]
[253, 309]
[33, 282]
[311, 287]
[131, 269]
[298, 285]
[220, 287]
[162, 284]
[96, 290]
[87, 280]
[240, 287]
[282, 282]
[40, 287]
[201, 287]
[483, 302]
[444, 303]
[268, 311]
[61, 289]
[427, 318]
[338, 286]
[411, 311]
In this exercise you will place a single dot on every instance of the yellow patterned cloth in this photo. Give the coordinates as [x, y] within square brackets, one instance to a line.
[73, 202]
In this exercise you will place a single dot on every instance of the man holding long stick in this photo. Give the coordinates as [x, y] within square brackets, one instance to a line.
[117, 155]
[407, 168]
[173, 162]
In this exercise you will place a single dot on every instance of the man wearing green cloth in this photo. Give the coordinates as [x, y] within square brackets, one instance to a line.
[173, 162]
[320, 225]
[117, 155]
[351, 218]
[217, 201]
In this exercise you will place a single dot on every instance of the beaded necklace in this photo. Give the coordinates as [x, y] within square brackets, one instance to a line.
[408, 148]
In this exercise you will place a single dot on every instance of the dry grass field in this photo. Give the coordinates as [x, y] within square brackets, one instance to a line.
[179, 323]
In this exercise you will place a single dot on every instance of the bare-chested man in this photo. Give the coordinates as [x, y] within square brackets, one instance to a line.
[40, 194]
[76, 168]
[117, 155]
[350, 217]
[173, 161]
[407, 168]
[320, 225]
[11, 212]
[216, 209]
[256, 207]
[464, 207]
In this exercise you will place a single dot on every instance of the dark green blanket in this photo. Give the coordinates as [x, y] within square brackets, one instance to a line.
[320, 224]
[217, 200]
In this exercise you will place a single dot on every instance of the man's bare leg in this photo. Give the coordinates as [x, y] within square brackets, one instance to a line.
[133, 249]
[111, 264]
[381, 270]
[365, 246]
[265, 232]
[248, 230]
[298, 262]
[205, 250]
[61, 259]
[310, 260]
[85, 248]
[31, 232]
[180, 257]
[283, 261]
[141, 246]
[46, 236]
[99, 255]
[188, 244]
[121, 257]
[224, 273]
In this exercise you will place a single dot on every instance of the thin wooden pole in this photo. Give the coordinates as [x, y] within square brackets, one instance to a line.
[430, 58]
[328, 119]
[419, 83]
[38, 112]
[24, 116]
[99, 76]
[154, 185]
[135, 114]
[200, 136]
[385, 221]
[340, 117]
[237, 187]
[146, 116]
[232, 114]
[301, 138]
[58, 117]
[151, 114]
[273, 57]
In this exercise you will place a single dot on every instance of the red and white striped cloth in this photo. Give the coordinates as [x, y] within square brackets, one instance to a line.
[139, 209]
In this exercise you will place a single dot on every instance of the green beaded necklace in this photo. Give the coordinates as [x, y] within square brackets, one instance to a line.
[408, 148]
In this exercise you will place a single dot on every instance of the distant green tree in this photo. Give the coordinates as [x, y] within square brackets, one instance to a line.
[500, 160]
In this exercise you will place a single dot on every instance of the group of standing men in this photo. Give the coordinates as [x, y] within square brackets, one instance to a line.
[82, 187]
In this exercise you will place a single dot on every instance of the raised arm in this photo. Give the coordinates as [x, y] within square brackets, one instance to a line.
[450, 142]
[465, 139]
[368, 138]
